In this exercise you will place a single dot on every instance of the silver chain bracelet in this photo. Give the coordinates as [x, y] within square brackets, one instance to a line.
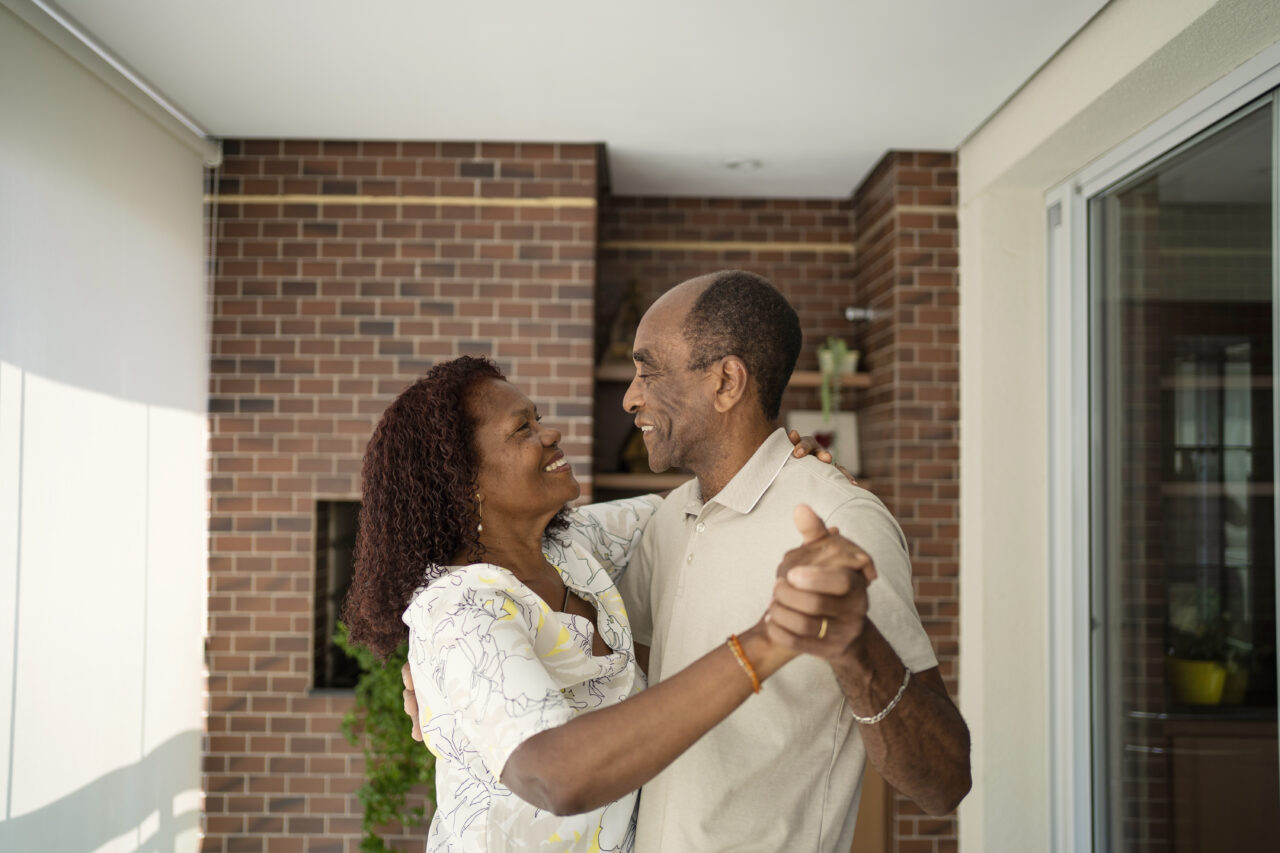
[870, 721]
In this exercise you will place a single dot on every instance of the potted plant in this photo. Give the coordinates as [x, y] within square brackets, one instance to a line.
[1208, 666]
[834, 360]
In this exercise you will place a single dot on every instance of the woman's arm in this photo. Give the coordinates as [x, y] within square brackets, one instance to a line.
[598, 757]
[610, 530]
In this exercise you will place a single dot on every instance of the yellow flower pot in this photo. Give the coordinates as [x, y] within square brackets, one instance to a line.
[1236, 685]
[1197, 682]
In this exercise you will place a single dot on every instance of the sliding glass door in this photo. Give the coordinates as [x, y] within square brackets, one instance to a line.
[1183, 497]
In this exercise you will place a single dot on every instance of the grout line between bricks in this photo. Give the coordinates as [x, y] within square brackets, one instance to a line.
[727, 246]
[457, 201]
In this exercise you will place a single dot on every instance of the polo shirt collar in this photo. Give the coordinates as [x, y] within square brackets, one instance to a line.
[745, 489]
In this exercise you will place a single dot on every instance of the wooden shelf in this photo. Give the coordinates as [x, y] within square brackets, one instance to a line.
[1216, 383]
[1202, 490]
[799, 379]
[640, 482]
[615, 372]
[813, 379]
[659, 482]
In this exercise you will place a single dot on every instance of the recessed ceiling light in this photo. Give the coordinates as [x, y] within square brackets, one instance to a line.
[743, 165]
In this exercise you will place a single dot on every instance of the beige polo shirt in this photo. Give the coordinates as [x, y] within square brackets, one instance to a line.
[783, 771]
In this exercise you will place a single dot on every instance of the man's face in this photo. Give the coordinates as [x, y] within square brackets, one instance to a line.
[672, 404]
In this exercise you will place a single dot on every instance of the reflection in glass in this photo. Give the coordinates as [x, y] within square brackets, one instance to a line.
[1184, 552]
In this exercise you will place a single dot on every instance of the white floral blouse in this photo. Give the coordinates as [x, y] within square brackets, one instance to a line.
[493, 665]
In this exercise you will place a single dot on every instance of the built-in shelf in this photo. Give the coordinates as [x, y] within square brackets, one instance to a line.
[813, 379]
[659, 482]
[1215, 251]
[1199, 490]
[615, 372]
[1215, 383]
[799, 379]
[640, 482]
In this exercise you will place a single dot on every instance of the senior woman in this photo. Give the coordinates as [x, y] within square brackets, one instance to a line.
[519, 644]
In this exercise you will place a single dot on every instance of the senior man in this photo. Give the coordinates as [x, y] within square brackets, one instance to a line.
[784, 772]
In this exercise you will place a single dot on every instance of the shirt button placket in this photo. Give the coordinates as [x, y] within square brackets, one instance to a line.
[697, 528]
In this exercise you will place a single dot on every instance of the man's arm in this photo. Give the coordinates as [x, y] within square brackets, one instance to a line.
[921, 746]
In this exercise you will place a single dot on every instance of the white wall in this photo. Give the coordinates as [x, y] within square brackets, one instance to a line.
[103, 376]
[1135, 62]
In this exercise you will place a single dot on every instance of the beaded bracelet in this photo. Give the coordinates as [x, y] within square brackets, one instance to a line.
[736, 648]
[870, 721]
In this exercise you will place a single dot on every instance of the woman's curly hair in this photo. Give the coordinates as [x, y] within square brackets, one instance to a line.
[419, 509]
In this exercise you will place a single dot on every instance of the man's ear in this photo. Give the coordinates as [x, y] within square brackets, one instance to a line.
[732, 382]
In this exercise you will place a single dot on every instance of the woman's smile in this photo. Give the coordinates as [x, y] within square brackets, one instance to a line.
[558, 464]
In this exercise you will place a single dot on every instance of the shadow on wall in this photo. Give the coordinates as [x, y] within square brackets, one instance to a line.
[138, 798]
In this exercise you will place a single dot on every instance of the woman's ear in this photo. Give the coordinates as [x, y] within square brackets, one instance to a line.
[732, 382]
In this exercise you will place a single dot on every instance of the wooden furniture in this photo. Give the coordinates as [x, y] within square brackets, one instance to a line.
[799, 379]
[875, 815]
[1225, 781]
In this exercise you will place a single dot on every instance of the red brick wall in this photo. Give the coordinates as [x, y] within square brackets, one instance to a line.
[906, 272]
[323, 311]
[326, 308]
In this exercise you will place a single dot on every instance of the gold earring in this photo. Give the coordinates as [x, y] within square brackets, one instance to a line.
[479, 513]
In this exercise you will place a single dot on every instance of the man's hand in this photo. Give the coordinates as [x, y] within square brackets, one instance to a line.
[410, 701]
[820, 598]
[807, 445]
[820, 603]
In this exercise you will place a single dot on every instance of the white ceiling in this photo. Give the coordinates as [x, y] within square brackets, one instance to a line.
[815, 90]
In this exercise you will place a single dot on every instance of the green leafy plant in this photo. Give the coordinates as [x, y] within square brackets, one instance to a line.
[831, 360]
[394, 762]
[1211, 641]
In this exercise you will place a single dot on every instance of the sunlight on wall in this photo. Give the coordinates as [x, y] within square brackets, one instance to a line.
[101, 563]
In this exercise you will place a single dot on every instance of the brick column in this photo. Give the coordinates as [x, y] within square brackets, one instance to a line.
[907, 273]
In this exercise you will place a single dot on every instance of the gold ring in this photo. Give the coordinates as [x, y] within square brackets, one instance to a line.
[822, 632]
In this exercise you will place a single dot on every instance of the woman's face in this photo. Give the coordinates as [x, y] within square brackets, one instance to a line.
[522, 470]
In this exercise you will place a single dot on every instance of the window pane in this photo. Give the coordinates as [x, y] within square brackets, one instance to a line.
[1183, 490]
[336, 523]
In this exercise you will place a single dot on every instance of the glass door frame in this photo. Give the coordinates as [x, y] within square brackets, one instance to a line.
[1079, 808]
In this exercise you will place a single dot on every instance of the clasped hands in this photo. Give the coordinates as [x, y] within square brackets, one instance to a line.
[819, 602]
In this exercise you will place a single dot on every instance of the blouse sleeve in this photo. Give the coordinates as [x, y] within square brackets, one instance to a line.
[611, 531]
[480, 650]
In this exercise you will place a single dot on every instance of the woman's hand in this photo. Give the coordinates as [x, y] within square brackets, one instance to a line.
[762, 649]
[808, 446]
[410, 701]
